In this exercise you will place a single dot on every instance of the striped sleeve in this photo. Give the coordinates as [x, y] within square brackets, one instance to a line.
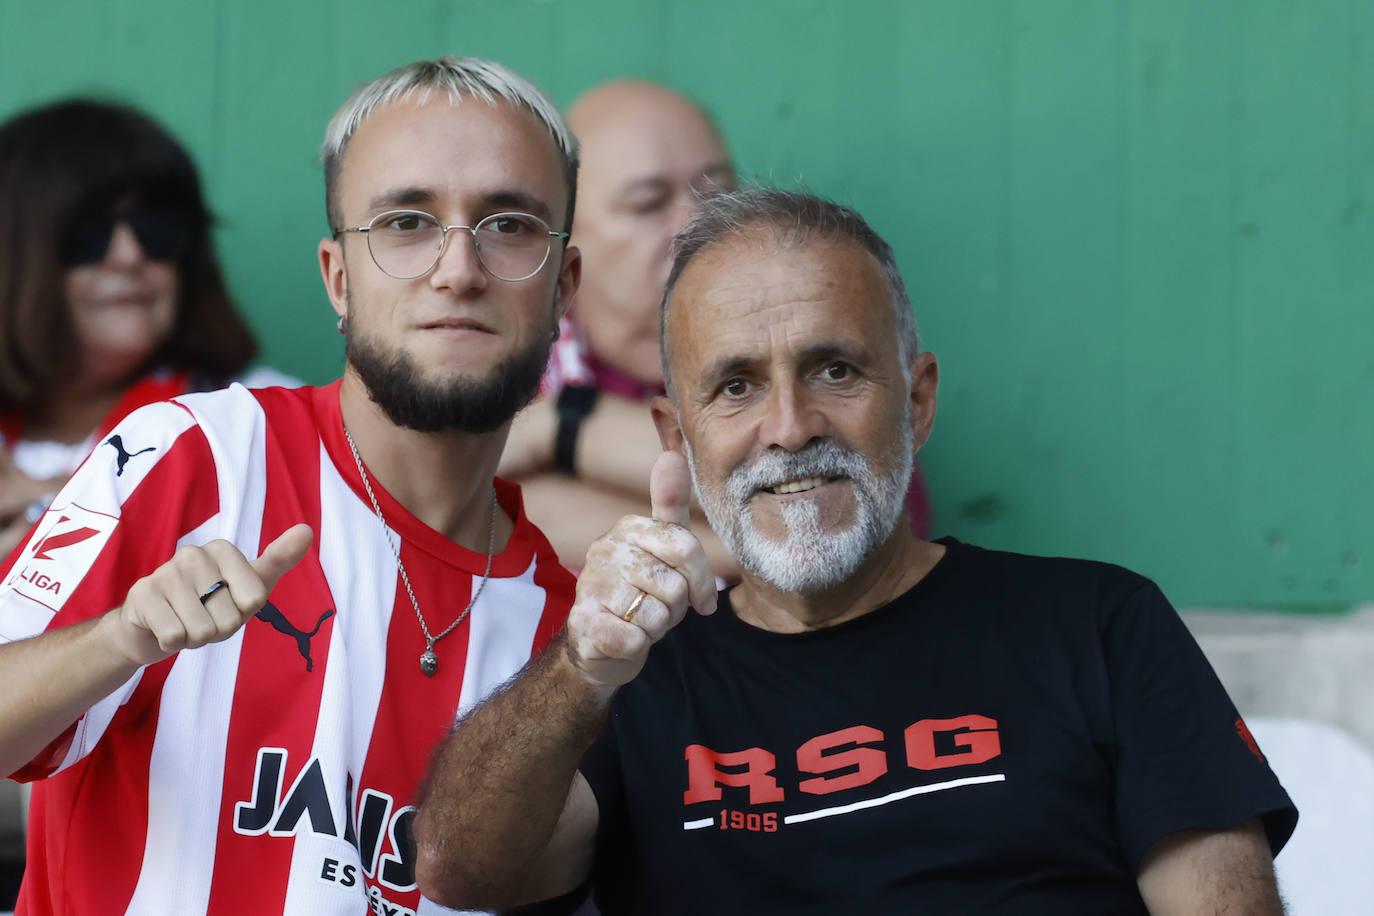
[147, 487]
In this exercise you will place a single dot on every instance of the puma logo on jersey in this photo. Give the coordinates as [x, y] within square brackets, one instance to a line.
[122, 456]
[273, 615]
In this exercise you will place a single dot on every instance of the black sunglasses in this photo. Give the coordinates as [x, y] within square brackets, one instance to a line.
[164, 232]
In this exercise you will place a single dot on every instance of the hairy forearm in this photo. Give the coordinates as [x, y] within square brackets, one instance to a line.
[505, 816]
[47, 682]
[499, 782]
[1211, 872]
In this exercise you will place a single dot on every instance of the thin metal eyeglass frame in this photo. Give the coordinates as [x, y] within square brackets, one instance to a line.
[443, 243]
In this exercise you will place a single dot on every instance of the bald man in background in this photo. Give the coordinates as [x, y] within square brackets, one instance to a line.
[582, 451]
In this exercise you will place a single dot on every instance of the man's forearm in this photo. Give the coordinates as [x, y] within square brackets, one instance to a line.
[617, 445]
[505, 782]
[48, 681]
[614, 446]
[499, 782]
[573, 513]
[1211, 871]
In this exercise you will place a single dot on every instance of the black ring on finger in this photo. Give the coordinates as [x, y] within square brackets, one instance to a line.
[205, 595]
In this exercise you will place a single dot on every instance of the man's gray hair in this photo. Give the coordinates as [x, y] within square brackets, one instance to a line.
[459, 78]
[796, 217]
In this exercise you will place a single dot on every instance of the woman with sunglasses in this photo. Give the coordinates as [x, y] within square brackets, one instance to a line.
[110, 293]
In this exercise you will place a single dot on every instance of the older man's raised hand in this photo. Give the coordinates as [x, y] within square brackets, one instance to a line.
[611, 627]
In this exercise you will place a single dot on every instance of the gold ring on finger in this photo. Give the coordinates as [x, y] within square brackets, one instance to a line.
[633, 609]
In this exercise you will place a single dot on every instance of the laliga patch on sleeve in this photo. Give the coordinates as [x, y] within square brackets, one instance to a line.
[62, 550]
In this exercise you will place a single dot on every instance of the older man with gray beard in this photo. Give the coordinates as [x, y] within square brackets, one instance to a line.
[811, 558]
[868, 722]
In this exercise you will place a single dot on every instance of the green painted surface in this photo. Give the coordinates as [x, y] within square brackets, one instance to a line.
[1139, 234]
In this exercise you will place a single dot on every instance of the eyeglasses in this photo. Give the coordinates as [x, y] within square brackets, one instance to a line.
[406, 244]
[165, 233]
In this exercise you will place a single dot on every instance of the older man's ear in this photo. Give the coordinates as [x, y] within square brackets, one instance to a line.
[669, 430]
[925, 380]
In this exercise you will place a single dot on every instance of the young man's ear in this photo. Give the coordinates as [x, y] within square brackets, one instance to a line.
[569, 279]
[335, 277]
[669, 430]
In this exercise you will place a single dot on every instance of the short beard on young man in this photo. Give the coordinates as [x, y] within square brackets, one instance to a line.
[468, 405]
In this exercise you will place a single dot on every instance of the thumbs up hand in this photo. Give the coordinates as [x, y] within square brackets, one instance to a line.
[201, 595]
[638, 581]
[670, 489]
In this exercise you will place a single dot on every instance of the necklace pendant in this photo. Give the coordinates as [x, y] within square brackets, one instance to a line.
[429, 662]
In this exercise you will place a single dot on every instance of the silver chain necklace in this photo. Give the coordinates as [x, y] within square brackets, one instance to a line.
[429, 662]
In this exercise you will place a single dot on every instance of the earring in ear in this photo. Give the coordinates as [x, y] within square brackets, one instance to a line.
[557, 332]
[342, 324]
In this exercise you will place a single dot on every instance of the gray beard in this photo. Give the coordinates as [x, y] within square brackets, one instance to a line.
[810, 559]
[461, 404]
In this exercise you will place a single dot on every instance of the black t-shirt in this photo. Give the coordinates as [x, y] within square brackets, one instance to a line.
[1010, 736]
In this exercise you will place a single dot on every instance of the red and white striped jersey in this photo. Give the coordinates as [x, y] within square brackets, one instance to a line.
[274, 772]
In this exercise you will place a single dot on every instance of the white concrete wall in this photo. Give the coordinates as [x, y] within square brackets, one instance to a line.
[1305, 685]
[1289, 665]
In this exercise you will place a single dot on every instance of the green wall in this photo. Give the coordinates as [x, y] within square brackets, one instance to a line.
[1138, 234]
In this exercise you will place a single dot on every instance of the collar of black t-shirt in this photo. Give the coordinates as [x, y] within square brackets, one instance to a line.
[928, 585]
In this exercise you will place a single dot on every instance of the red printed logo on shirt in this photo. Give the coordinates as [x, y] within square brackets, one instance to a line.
[64, 539]
[846, 759]
[61, 551]
[1244, 731]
